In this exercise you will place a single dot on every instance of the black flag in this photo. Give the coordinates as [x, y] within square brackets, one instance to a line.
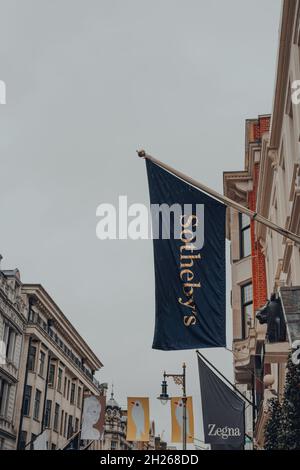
[189, 256]
[223, 411]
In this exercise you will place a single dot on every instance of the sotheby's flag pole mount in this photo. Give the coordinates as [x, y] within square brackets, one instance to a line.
[226, 200]
[189, 258]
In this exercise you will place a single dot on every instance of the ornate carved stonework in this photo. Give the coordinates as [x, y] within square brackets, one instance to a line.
[273, 155]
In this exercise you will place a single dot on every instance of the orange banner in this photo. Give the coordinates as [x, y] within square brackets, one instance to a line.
[138, 419]
[177, 419]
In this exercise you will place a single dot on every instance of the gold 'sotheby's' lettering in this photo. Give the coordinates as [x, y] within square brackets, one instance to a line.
[187, 258]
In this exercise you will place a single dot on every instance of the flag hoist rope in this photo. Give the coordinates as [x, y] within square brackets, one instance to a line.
[227, 201]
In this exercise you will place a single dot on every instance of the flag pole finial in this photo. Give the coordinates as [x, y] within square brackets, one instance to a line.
[141, 153]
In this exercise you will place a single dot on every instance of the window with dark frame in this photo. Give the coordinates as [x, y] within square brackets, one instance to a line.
[59, 379]
[70, 426]
[27, 400]
[79, 397]
[65, 386]
[51, 379]
[72, 397]
[65, 425]
[42, 363]
[56, 417]
[4, 395]
[245, 236]
[61, 423]
[68, 389]
[247, 308]
[10, 343]
[37, 404]
[76, 425]
[31, 358]
[47, 420]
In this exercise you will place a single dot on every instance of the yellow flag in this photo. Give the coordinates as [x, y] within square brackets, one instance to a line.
[138, 420]
[177, 419]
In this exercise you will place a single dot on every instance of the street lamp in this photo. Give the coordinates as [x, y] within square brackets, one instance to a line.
[164, 397]
[179, 379]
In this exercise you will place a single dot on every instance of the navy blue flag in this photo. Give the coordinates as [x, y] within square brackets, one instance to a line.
[189, 256]
[223, 411]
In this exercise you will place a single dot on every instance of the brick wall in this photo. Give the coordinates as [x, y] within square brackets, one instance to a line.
[259, 277]
[260, 127]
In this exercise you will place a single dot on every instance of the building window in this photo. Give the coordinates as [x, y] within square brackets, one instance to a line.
[70, 426]
[27, 400]
[68, 390]
[247, 308]
[61, 423]
[113, 445]
[53, 447]
[65, 386]
[47, 421]
[42, 363]
[76, 424]
[56, 417]
[37, 404]
[72, 397]
[289, 282]
[59, 379]
[51, 379]
[65, 425]
[245, 236]
[4, 394]
[9, 339]
[79, 397]
[31, 358]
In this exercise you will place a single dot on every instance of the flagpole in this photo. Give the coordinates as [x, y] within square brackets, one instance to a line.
[227, 201]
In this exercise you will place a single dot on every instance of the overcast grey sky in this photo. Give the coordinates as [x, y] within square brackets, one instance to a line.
[89, 82]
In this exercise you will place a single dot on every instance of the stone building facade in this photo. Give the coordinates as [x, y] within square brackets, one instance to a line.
[46, 368]
[115, 428]
[13, 314]
[266, 265]
[57, 369]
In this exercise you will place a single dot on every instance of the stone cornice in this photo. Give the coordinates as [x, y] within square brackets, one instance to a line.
[11, 314]
[39, 334]
[45, 302]
[237, 184]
